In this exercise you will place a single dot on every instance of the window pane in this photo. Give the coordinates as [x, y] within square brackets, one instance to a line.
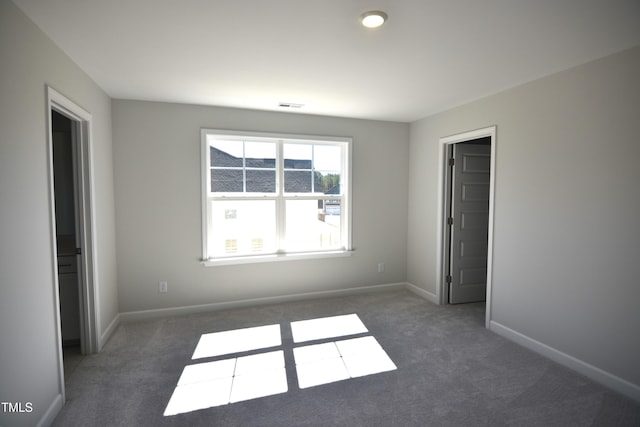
[226, 181]
[261, 181]
[297, 181]
[226, 153]
[312, 225]
[297, 156]
[260, 154]
[327, 182]
[327, 157]
[251, 230]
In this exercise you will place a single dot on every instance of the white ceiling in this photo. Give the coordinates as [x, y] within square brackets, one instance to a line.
[431, 55]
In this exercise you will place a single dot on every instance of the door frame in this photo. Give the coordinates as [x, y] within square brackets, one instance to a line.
[444, 178]
[85, 221]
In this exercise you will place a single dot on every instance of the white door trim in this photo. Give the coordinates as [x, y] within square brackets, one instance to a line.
[443, 178]
[81, 120]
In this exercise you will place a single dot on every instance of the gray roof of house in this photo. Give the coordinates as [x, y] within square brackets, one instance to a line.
[298, 175]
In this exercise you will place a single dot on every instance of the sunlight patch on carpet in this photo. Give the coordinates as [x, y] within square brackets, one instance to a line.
[236, 379]
[340, 360]
[210, 384]
[237, 341]
[327, 327]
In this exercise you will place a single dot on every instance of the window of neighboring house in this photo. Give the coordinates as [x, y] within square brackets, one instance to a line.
[269, 196]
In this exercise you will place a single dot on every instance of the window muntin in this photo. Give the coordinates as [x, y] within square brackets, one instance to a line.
[274, 194]
[242, 166]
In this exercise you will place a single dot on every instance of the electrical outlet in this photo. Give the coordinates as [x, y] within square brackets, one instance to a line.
[163, 287]
[381, 267]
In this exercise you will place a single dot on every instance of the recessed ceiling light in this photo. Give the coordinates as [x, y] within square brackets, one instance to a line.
[373, 19]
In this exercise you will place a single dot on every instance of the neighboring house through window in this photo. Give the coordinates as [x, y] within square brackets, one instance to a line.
[268, 196]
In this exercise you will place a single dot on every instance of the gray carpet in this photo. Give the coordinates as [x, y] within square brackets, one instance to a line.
[451, 372]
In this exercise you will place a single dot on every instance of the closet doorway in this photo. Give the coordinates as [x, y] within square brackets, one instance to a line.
[71, 183]
[465, 249]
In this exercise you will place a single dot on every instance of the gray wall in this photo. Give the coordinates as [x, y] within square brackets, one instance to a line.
[28, 362]
[566, 209]
[158, 207]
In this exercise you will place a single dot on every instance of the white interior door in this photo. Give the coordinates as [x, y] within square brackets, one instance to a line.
[469, 222]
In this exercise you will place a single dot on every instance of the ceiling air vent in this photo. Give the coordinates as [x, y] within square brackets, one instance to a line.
[290, 105]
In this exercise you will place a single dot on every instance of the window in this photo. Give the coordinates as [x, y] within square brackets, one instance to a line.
[269, 196]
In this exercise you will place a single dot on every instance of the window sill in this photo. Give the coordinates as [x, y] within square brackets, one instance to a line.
[214, 262]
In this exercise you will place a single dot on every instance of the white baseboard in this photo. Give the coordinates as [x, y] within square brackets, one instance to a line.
[203, 308]
[429, 296]
[52, 412]
[603, 377]
[108, 332]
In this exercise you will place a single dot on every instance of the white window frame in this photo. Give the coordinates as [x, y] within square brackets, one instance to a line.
[280, 198]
